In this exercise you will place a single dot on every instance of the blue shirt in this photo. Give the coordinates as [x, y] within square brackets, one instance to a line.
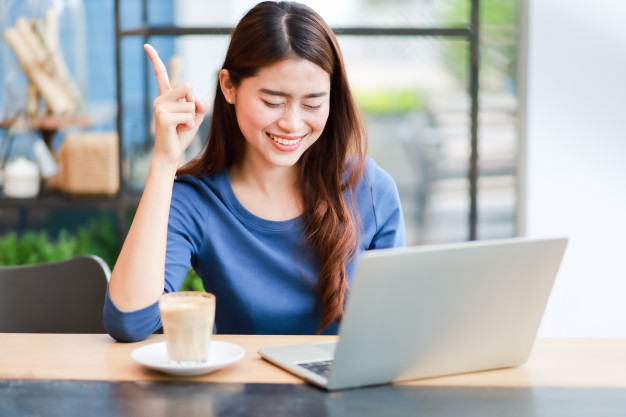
[262, 273]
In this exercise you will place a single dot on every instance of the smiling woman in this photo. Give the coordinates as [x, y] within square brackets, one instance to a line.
[275, 211]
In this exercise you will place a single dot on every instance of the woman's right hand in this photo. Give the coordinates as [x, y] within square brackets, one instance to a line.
[177, 114]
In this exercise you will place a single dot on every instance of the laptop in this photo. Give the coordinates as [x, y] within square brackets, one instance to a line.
[433, 310]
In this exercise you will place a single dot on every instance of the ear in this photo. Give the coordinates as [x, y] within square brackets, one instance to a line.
[227, 87]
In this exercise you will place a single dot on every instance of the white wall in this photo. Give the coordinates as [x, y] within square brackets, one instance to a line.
[576, 158]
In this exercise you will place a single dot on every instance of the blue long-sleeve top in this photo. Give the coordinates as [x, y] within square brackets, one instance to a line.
[262, 274]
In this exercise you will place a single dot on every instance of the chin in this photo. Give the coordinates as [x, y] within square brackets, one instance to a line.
[286, 161]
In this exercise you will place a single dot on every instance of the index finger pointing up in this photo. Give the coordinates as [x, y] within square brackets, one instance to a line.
[160, 72]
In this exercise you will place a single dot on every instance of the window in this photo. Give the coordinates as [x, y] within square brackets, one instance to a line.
[446, 131]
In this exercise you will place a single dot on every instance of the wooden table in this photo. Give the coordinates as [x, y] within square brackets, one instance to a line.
[562, 377]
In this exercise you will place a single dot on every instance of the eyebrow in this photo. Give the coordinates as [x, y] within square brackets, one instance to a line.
[283, 94]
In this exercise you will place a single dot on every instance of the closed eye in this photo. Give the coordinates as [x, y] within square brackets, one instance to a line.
[272, 105]
[312, 107]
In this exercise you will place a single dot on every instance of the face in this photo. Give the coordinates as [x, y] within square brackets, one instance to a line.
[281, 111]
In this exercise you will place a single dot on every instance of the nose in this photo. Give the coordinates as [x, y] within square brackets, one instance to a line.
[291, 119]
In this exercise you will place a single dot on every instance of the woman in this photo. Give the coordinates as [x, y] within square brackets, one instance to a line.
[275, 211]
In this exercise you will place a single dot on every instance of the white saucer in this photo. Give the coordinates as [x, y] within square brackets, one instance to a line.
[155, 356]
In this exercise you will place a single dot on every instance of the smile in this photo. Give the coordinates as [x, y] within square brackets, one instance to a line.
[287, 142]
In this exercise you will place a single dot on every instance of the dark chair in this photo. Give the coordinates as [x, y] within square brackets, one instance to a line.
[58, 297]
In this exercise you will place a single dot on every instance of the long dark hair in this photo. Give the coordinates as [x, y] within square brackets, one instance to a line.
[269, 33]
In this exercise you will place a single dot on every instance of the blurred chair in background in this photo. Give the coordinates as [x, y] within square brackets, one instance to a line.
[58, 297]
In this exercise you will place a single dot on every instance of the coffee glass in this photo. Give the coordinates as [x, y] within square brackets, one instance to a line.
[187, 318]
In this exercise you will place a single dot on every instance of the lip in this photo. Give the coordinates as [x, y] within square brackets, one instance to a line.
[286, 142]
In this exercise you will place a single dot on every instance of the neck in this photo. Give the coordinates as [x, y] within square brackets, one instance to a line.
[271, 193]
[270, 181]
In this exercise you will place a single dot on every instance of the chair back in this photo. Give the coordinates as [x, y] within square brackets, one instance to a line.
[58, 297]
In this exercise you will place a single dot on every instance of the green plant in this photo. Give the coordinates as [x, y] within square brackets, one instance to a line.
[388, 101]
[96, 238]
[192, 282]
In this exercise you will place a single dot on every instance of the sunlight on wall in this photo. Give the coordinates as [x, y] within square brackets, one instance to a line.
[576, 172]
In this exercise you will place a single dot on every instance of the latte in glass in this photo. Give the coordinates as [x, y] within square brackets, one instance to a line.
[187, 318]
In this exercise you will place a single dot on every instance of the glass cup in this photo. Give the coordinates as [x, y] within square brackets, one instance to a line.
[187, 318]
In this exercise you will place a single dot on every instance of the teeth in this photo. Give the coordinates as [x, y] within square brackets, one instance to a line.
[285, 141]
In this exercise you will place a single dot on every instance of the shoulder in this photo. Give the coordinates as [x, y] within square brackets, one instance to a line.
[194, 195]
[376, 176]
[198, 182]
[197, 186]
[380, 211]
[375, 183]
[376, 189]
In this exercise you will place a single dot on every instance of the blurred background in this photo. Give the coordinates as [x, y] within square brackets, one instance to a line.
[547, 90]
[413, 90]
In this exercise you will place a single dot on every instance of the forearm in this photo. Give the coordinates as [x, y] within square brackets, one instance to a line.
[137, 279]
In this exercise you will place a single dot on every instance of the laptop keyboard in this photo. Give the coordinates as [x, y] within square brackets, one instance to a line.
[321, 368]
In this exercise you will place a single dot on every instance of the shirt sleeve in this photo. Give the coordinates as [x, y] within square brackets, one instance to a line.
[185, 229]
[131, 326]
[388, 216]
[184, 236]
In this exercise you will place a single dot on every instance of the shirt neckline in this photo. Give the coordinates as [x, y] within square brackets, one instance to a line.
[245, 215]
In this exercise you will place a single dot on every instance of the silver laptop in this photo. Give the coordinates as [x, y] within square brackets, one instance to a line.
[433, 310]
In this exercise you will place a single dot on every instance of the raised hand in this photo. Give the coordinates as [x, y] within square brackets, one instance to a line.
[177, 113]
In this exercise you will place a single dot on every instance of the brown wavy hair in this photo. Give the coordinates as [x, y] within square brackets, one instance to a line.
[269, 33]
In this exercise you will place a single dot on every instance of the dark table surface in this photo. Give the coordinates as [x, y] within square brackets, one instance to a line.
[20, 398]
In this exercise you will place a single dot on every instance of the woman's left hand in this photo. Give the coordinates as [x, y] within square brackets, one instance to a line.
[177, 113]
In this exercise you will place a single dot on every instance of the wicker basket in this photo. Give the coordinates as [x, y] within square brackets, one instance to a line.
[89, 164]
